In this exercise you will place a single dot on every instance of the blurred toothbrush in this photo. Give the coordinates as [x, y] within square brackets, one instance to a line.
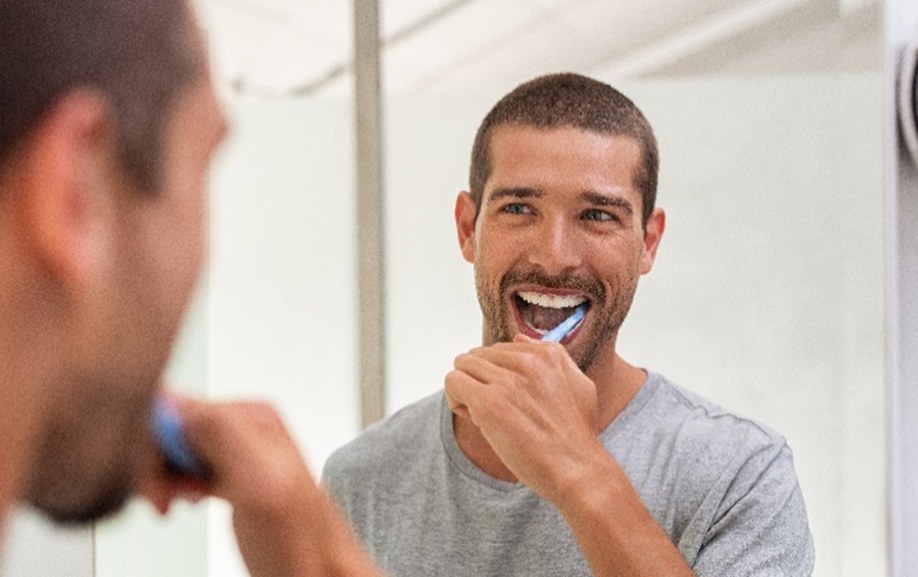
[169, 433]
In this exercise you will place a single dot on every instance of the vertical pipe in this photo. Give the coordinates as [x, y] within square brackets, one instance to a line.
[370, 235]
[901, 184]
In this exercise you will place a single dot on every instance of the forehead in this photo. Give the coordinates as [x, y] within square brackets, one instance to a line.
[562, 158]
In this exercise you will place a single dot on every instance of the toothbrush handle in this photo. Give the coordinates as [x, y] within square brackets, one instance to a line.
[169, 433]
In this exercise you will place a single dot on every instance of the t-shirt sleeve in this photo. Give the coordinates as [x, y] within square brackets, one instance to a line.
[760, 528]
[335, 481]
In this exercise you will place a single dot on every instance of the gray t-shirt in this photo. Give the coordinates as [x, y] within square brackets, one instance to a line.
[724, 489]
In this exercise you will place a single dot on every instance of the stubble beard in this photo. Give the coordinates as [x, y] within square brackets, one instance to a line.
[89, 459]
[608, 308]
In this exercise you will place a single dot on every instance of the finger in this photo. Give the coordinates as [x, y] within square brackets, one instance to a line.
[457, 409]
[227, 437]
[481, 366]
[464, 391]
[164, 488]
[511, 346]
[532, 358]
[257, 465]
[158, 493]
[522, 338]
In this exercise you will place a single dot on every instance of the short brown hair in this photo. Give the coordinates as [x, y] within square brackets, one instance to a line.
[569, 100]
[138, 53]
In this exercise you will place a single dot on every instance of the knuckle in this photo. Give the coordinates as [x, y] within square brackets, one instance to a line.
[530, 361]
[556, 352]
[452, 378]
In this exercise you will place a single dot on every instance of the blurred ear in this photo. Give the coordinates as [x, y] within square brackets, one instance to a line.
[653, 234]
[465, 225]
[66, 201]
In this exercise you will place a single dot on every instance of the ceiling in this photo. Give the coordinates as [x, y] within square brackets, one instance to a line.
[304, 47]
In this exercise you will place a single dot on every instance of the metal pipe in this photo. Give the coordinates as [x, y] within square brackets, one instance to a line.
[370, 232]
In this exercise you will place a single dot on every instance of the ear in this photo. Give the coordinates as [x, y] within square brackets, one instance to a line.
[66, 215]
[465, 225]
[653, 233]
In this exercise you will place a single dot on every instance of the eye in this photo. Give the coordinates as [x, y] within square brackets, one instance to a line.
[600, 215]
[516, 208]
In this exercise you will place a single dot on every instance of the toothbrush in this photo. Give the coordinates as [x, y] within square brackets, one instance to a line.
[169, 433]
[567, 325]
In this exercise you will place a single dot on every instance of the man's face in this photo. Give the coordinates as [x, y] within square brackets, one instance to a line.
[559, 225]
[99, 441]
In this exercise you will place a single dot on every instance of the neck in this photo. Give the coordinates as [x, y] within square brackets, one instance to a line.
[617, 382]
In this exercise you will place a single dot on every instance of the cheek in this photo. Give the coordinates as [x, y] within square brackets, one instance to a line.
[179, 252]
[190, 256]
[497, 251]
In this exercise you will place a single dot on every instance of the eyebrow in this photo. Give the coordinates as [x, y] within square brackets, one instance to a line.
[598, 199]
[586, 197]
[514, 192]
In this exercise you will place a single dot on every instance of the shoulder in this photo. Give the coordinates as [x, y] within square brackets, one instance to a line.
[721, 483]
[698, 422]
[388, 445]
[696, 445]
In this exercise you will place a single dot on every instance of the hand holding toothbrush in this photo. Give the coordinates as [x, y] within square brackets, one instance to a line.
[534, 407]
[285, 524]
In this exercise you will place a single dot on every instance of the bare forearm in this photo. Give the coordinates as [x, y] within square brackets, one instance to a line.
[344, 554]
[301, 541]
[617, 534]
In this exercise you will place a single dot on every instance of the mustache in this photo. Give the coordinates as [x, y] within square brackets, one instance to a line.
[569, 281]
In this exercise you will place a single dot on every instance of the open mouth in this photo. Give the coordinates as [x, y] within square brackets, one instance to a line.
[540, 312]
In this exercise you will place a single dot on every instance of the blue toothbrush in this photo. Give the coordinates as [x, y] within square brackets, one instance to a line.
[567, 325]
[169, 433]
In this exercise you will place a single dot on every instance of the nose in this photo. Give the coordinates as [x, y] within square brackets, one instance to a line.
[557, 247]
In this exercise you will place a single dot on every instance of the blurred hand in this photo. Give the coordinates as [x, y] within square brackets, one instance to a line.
[284, 523]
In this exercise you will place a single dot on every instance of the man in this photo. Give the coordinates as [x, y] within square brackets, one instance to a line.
[564, 459]
[107, 124]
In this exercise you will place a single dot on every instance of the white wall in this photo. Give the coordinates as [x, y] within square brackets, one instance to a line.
[281, 321]
[767, 294]
[34, 547]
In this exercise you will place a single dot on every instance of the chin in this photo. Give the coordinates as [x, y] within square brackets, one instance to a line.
[80, 495]
[101, 503]
[88, 464]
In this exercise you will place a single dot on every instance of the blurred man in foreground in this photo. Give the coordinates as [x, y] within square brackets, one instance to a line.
[108, 121]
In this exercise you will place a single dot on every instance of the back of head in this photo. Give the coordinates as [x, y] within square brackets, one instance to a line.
[137, 53]
[569, 100]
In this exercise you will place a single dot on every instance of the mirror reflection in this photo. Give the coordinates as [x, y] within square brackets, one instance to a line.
[765, 295]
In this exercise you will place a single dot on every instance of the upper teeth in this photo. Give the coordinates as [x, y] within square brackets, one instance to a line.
[551, 301]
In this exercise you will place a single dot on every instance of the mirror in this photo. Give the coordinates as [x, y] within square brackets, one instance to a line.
[766, 296]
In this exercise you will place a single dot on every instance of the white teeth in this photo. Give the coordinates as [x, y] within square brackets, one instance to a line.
[551, 301]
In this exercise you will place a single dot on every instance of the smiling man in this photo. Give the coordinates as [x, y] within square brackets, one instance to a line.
[563, 458]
